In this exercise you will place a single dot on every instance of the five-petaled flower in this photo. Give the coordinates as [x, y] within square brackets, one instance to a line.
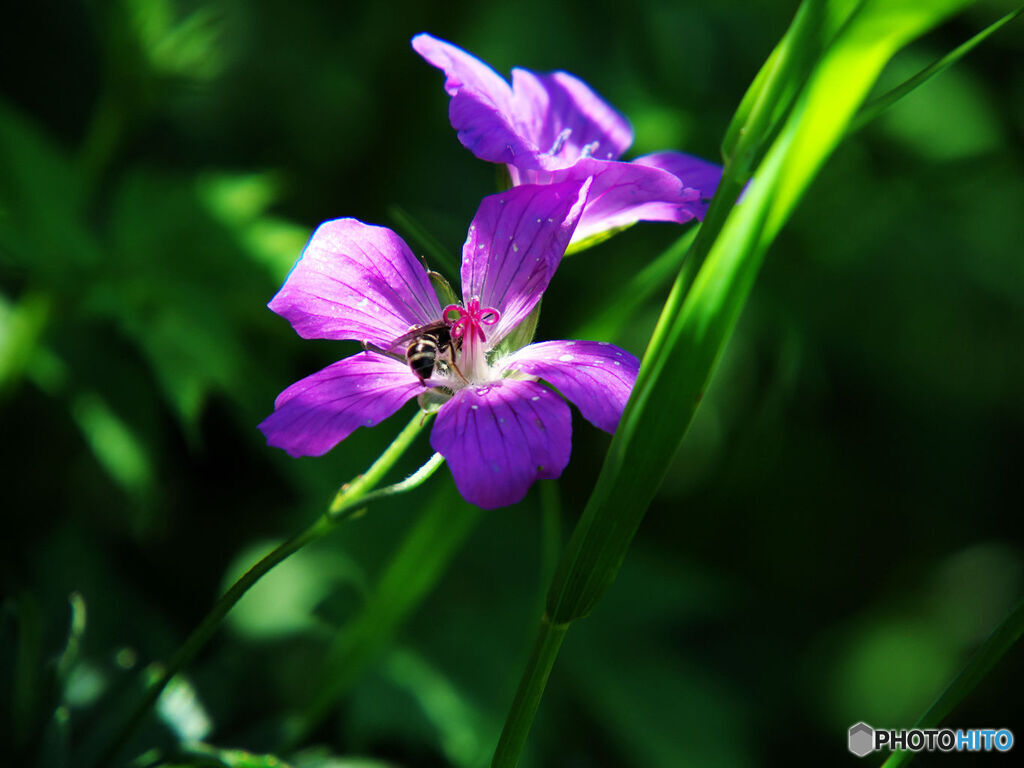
[499, 429]
[551, 128]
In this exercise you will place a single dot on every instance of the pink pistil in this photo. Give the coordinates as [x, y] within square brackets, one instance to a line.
[469, 322]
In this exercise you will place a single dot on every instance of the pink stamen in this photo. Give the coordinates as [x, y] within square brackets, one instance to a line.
[469, 321]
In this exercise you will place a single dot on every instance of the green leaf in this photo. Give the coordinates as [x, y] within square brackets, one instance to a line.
[695, 325]
[692, 332]
[777, 83]
[879, 104]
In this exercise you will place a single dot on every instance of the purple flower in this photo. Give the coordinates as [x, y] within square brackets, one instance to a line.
[550, 128]
[499, 429]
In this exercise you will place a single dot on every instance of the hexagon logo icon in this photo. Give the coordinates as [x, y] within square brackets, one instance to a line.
[861, 739]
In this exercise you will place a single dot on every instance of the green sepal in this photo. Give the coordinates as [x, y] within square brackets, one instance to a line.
[432, 398]
[443, 288]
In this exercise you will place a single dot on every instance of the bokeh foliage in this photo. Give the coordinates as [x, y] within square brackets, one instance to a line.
[839, 530]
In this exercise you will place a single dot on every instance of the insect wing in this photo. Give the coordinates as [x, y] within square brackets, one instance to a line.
[423, 330]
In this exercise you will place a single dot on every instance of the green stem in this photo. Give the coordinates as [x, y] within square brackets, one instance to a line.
[348, 503]
[987, 656]
[529, 693]
[356, 489]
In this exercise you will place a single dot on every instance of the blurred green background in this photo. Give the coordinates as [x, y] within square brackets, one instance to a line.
[840, 530]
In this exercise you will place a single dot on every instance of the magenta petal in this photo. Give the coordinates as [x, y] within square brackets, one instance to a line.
[356, 281]
[481, 109]
[515, 243]
[623, 194]
[500, 438]
[595, 375]
[315, 414]
[565, 118]
[693, 172]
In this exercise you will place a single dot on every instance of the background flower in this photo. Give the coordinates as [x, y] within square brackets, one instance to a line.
[549, 128]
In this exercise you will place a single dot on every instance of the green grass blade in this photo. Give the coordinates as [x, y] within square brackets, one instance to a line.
[694, 329]
[778, 81]
[879, 104]
[696, 324]
[984, 660]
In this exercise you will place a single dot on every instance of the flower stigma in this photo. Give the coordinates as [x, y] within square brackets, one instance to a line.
[467, 326]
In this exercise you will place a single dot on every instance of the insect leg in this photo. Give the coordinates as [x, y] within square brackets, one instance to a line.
[456, 369]
[371, 347]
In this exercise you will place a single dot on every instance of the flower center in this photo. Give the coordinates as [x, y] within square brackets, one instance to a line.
[467, 327]
[468, 322]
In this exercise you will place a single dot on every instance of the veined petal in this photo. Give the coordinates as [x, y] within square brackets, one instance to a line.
[566, 119]
[481, 108]
[500, 438]
[692, 171]
[623, 194]
[595, 375]
[316, 413]
[515, 243]
[356, 281]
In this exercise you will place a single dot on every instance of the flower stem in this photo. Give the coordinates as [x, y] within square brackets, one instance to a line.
[357, 488]
[348, 503]
[528, 696]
